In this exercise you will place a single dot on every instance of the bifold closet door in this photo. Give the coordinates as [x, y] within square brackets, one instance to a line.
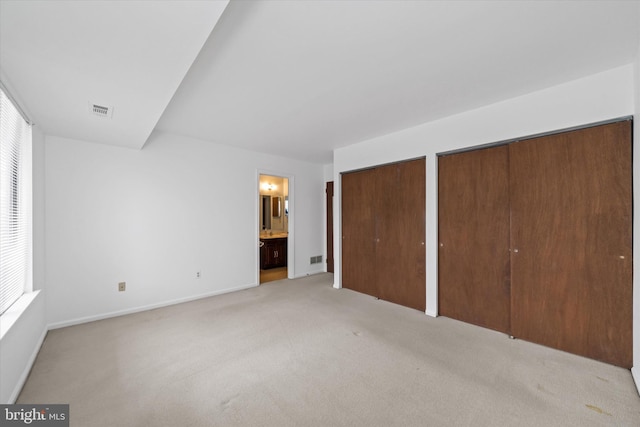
[358, 228]
[473, 222]
[400, 233]
[383, 232]
[571, 240]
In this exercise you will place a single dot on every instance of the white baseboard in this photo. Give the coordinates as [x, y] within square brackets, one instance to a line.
[27, 369]
[431, 313]
[102, 316]
[108, 315]
[635, 373]
[337, 286]
[311, 273]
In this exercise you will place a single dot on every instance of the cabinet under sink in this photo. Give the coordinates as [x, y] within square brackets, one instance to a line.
[273, 252]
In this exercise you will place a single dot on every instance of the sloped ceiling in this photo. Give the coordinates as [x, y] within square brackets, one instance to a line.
[59, 56]
[296, 78]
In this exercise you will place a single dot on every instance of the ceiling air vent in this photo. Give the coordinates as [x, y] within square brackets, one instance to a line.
[101, 110]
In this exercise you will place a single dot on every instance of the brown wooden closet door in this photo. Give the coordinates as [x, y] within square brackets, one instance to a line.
[358, 231]
[400, 233]
[473, 218]
[571, 240]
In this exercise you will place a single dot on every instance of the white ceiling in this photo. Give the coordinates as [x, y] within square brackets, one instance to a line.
[132, 55]
[295, 78]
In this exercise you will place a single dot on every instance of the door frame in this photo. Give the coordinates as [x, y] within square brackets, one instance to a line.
[329, 187]
[291, 221]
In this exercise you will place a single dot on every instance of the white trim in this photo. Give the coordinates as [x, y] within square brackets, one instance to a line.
[291, 261]
[635, 374]
[27, 369]
[431, 313]
[312, 273]
[88, 319]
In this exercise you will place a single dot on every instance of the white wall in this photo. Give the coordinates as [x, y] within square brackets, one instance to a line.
[154, 217]
[595, 98]
[328, 172]
[19, 344]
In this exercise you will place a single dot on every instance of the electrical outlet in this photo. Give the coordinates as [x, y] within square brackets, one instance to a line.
[197, 274]
[122, 286]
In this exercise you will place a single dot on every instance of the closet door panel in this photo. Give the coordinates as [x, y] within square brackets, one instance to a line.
[400, 233]
[473, 256]
[571, 240]
[358, 231]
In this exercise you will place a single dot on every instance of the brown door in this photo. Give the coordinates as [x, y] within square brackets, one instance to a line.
[329, 192]
[473, 222]
[400, 233]
[358, 228]
[383, 228]
[571, 240]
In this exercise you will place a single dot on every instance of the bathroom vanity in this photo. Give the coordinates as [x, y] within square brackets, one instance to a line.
[273, 252]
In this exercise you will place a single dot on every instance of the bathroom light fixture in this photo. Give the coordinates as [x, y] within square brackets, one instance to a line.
[268, 186]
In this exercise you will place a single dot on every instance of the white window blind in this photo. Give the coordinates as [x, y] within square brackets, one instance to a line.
[15, 203]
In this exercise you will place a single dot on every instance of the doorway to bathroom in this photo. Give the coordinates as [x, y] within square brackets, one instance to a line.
[273, 227]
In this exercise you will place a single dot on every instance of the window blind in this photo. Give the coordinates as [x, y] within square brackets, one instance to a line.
[15, 203]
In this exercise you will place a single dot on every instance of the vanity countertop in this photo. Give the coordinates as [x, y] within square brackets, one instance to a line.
[273, 236]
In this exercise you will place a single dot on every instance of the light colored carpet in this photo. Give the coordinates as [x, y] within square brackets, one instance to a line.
[300, 353]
